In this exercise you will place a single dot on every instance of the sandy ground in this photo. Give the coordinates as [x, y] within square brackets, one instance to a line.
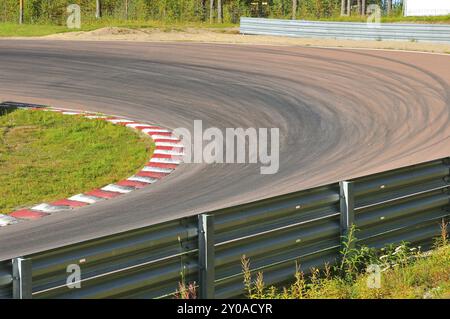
[232, 35]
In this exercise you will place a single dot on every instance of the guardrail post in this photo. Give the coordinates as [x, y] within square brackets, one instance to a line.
[206, 256]
[22, 283]
[347, 205]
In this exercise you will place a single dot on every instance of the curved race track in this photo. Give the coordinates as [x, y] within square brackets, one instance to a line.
[341, 113]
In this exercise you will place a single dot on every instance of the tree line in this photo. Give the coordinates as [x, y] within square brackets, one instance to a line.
[215, 11]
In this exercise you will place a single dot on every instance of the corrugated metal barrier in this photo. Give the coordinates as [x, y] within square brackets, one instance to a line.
[145, 263]
[276, 234]
[6, 280]
[347, 30]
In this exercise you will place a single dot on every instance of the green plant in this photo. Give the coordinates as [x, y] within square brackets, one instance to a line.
[397, 255]
[245, 262]
[353, 258]
[298, 289]
[442, 240]
[185, 290]
[406, 273]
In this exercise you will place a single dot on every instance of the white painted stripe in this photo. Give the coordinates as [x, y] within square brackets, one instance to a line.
[72, 113]
[142, 179]
[85, 199]
[134, 125]
[96, 116]
[47, 208]
[119, 121]
[165, 161]
[168, 152]
[117, 189]
[63, 109]
[155, 130]
[172, 144]
[42, 208]
[156, 136]
[157, 169]
[7, 220]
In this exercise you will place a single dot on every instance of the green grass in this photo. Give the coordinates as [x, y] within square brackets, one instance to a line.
[47, 156]
[428, 277]
[406, 274]
[89, 25]
[29, 30]
[34, 30]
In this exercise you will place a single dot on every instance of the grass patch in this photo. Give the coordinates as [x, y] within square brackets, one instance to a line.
[93, 24]
[35, 30]
[29, 30]
[406, 273]
[47, 156]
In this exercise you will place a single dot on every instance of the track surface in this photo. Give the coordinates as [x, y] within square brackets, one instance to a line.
[341, 114]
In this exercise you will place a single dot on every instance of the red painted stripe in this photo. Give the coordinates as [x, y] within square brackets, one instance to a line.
[169, 148]
[103, 194]
[162, 165]
[28, 214]
[143, 127]
[132, 184]
[68, 202]
[151, 174]
[166, 140]
[162, 156]
[160, 133]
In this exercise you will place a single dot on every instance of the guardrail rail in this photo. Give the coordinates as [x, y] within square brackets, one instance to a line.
[347, 30]
[6, 287]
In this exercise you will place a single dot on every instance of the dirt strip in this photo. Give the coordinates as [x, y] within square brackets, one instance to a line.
[231, 35]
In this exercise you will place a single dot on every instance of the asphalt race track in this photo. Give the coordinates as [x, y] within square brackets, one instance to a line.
[341, 114]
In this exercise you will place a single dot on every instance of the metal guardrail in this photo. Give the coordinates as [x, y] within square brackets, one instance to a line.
[405, 204]
[346, 30]
[6, 280]
[304, 227]
[143, 263]
[275, 233]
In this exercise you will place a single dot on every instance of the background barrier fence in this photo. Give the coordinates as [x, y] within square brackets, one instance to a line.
[347, 30]
[304, 227]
